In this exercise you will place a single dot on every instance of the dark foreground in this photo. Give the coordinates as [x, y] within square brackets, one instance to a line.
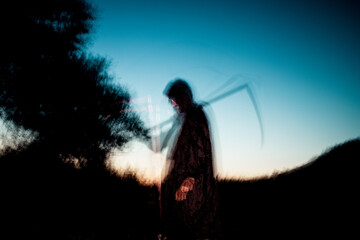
[318, 199]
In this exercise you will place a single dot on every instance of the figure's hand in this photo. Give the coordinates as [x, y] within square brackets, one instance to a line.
[186, 186]
[180, 196]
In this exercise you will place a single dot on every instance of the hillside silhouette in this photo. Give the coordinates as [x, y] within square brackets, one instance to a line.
[318, 198]
[50, 201]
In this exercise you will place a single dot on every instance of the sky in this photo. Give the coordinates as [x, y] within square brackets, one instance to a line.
[300, 59]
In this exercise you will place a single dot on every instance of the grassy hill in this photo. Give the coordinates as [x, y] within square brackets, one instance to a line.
[54, 201]
[319, 197]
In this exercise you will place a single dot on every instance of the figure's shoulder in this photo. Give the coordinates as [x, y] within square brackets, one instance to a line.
[197, 114]
[196, 110]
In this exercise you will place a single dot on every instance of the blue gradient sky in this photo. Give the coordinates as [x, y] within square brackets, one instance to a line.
[302, 59]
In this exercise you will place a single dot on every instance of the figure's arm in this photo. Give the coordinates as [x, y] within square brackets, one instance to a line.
[162, 139]
[151, 143]
[199, 162]
[196, 153]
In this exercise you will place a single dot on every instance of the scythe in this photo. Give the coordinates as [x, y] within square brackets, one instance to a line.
[251, 95]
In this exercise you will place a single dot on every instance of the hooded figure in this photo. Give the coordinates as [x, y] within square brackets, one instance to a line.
[189, 198]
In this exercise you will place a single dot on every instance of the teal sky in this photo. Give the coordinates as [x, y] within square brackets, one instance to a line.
[301, 58]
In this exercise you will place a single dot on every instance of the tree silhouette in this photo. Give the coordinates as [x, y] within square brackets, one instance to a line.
[62, 101]
[52, 87]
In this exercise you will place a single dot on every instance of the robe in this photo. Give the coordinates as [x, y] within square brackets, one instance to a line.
[191, 156]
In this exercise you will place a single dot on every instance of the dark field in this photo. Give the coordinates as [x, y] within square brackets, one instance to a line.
[318, 199]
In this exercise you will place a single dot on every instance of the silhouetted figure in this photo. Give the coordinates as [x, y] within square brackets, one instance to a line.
[189, 195]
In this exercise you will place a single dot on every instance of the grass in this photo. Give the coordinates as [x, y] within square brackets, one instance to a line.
[318, 198]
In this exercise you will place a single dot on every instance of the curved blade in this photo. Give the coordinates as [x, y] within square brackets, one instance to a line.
[252, 98]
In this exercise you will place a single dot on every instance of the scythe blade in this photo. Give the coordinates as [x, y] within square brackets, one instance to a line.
[253, 101]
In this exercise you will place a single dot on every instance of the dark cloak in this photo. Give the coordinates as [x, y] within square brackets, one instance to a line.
[192, 156]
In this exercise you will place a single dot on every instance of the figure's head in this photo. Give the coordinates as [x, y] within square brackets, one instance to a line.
[179, 93]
